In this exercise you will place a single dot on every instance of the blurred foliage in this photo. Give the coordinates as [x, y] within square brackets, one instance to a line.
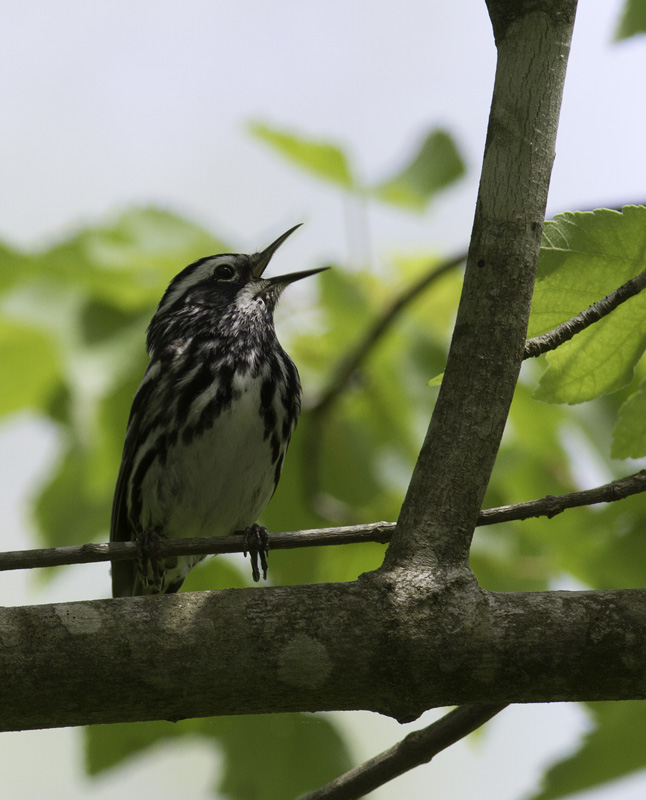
[437, 165]
[632, 21]
[612, 748]
[434, 166]
[323, 159]
[264, 757]
[72, 333]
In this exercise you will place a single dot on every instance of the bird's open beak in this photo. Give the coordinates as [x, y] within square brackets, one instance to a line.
[285, 280]
[261, 260]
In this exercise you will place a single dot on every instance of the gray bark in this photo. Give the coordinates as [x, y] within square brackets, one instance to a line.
[371, 644]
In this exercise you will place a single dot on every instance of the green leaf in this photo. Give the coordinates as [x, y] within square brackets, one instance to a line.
[612, 749]
[269, 756]
[324, 159]
[28, 368]
[633, 20]
[584, 257]
[629, 436]
[436, 165]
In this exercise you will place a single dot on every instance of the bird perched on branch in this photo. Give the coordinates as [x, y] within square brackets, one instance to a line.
[211, 420]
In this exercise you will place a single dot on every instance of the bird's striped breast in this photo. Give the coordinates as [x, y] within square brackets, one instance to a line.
[217, 472]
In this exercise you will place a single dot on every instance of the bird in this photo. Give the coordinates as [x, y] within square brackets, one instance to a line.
[211, 420]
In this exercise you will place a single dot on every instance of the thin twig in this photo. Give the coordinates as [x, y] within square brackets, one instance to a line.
[417, 748]
[566, 330]
[380, 532]
[551, 505]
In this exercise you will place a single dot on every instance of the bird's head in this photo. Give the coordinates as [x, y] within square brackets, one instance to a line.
[228, 285]
[220, 280]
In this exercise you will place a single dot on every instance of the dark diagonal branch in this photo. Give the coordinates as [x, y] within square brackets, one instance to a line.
[342, 375]
[349, 364]
[380, 532]
[566, 330]
[417, 748]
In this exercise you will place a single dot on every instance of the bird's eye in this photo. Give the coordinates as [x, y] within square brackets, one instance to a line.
[224, 272]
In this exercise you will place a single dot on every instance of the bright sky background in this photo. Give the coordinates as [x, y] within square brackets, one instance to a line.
[105, 105]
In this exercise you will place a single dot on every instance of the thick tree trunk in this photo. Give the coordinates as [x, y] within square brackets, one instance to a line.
[362, 645]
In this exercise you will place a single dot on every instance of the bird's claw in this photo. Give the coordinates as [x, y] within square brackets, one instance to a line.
[256, 542]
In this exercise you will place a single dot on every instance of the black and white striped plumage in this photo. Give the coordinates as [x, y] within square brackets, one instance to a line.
[212, 418]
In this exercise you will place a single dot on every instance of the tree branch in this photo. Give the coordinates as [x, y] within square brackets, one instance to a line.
[551, 505]
[415, 749]
[380, 532]
[450, 479]
[566, 330]
[299, 648]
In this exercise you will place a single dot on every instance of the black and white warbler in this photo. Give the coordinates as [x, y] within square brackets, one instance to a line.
[211, 420]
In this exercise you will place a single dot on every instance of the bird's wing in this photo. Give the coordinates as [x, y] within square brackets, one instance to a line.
[124, 573]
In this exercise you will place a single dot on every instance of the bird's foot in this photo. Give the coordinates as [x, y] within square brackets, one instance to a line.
[256, 543]
[149, 558]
